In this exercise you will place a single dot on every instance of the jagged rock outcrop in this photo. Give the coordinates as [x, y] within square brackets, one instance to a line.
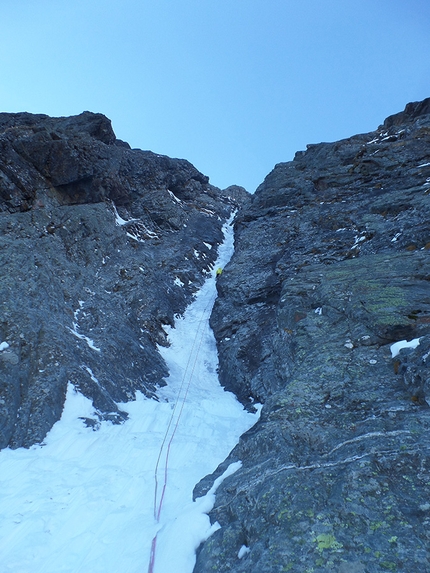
[100, 246]
[332, 266]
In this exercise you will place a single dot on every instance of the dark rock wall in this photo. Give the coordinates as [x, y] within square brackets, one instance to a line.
[100, 246]
[332, 265]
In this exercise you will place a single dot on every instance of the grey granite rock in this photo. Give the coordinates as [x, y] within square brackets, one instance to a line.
[331, 268]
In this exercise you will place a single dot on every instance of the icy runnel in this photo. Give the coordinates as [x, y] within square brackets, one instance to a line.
[84, 501]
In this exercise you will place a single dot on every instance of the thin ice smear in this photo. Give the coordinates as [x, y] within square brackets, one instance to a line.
[84, 502]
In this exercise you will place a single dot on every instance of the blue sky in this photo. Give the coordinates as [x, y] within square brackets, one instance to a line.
[234, 86]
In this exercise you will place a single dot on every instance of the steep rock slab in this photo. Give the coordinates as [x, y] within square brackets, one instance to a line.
[100, 246]
[331, 268]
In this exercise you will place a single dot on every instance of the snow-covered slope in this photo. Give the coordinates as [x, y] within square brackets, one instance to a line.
[92, 501]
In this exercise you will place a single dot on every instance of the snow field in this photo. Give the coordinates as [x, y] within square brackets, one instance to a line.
[84, 501]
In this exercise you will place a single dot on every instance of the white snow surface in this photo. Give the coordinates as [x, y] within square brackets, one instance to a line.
[119, 220]
[75, 332]
[397, 346]
[244, 550]
[86, 501]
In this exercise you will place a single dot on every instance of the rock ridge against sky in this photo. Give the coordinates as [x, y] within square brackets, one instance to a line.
[331, 268]
[101, 246]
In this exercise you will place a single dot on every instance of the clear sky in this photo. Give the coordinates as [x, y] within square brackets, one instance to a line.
[234, 86]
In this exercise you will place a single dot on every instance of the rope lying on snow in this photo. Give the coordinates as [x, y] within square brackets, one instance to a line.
[179, 403]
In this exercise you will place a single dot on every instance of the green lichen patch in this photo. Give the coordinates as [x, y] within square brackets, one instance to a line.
[327, 541]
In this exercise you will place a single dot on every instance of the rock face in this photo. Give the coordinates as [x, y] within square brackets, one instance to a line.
[100, 246]
[331, 267]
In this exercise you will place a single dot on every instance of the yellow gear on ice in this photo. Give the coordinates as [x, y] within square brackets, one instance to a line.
[218, 272]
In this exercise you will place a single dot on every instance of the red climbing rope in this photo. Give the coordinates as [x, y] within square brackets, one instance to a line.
[179, 401]
[152, 555]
